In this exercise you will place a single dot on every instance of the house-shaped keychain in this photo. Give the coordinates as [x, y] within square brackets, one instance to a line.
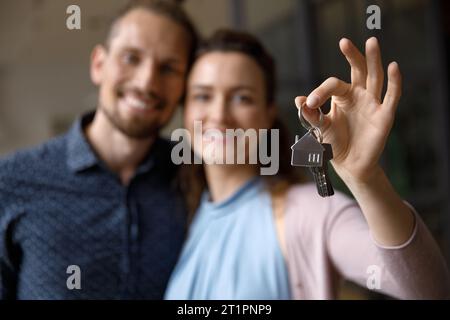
[308, 152]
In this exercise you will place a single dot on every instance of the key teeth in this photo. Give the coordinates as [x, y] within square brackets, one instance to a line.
[322, 180]
[325, 193]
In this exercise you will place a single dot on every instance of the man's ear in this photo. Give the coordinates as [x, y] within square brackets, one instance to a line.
[98, 57]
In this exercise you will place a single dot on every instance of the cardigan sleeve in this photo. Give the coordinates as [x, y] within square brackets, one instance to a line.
[414, 270]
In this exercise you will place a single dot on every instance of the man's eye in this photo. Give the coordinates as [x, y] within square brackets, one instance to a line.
[168, 69]
[131, 59]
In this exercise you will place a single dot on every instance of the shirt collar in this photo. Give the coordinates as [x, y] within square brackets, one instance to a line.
[81, 156]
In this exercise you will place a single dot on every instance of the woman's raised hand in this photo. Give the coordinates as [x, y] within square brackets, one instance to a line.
[360, 119]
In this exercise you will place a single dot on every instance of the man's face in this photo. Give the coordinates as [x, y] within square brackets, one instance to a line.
[141, 75]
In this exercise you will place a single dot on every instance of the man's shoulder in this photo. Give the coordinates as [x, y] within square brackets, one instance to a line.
[29, 160]
[165, 147]
[166, 143]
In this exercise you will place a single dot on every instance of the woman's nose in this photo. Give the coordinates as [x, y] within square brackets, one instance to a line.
[218, 111]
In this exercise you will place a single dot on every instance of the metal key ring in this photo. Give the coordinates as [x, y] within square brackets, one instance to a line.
[306, 124]
[317, 133]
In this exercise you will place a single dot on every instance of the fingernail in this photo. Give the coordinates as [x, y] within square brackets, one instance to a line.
[312, 101]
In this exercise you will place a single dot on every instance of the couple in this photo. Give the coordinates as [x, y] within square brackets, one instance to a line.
[103, 196]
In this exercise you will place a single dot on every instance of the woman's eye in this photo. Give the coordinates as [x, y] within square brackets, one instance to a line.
[131, 59]
[242, 99]
[200, 97]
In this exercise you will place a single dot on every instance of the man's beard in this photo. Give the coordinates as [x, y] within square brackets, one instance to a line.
[136, 129]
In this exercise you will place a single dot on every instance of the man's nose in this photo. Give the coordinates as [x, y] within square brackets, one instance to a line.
[147, 77]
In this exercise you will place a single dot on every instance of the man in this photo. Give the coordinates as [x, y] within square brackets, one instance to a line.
[93, 214]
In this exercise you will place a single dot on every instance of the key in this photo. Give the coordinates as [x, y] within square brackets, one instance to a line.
[322, 179]
[309, 152]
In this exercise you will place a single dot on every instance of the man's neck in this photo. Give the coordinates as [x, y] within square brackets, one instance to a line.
[119, 152]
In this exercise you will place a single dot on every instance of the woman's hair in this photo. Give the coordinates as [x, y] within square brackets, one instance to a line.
[192, 176]
[241, 42]
[171, 9]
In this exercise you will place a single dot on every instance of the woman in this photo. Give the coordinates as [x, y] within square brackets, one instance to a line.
[265, 237]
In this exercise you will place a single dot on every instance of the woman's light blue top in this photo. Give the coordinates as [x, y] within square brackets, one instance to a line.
[232, 251]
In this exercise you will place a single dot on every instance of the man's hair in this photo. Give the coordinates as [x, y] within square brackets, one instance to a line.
[171, 9]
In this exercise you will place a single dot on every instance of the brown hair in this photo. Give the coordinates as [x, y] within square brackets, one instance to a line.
[192, 177]
[171, 9]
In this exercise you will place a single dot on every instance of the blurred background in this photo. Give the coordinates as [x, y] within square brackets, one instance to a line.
[45, 84]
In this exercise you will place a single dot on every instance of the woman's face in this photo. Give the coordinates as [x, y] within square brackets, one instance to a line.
[226, 90]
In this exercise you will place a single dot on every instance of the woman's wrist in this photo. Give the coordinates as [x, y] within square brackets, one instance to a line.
[390, 220]
[376, 177]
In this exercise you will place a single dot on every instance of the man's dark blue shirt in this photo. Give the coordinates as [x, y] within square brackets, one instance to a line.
[60, 207]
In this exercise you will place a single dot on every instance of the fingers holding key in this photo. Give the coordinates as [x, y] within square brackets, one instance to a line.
[368, 73]
[330, 87]
[312, 116]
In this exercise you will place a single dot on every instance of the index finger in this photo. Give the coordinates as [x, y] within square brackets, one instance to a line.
[330, 87]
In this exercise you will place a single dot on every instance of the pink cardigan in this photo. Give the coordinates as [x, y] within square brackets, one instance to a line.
[328, 238]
